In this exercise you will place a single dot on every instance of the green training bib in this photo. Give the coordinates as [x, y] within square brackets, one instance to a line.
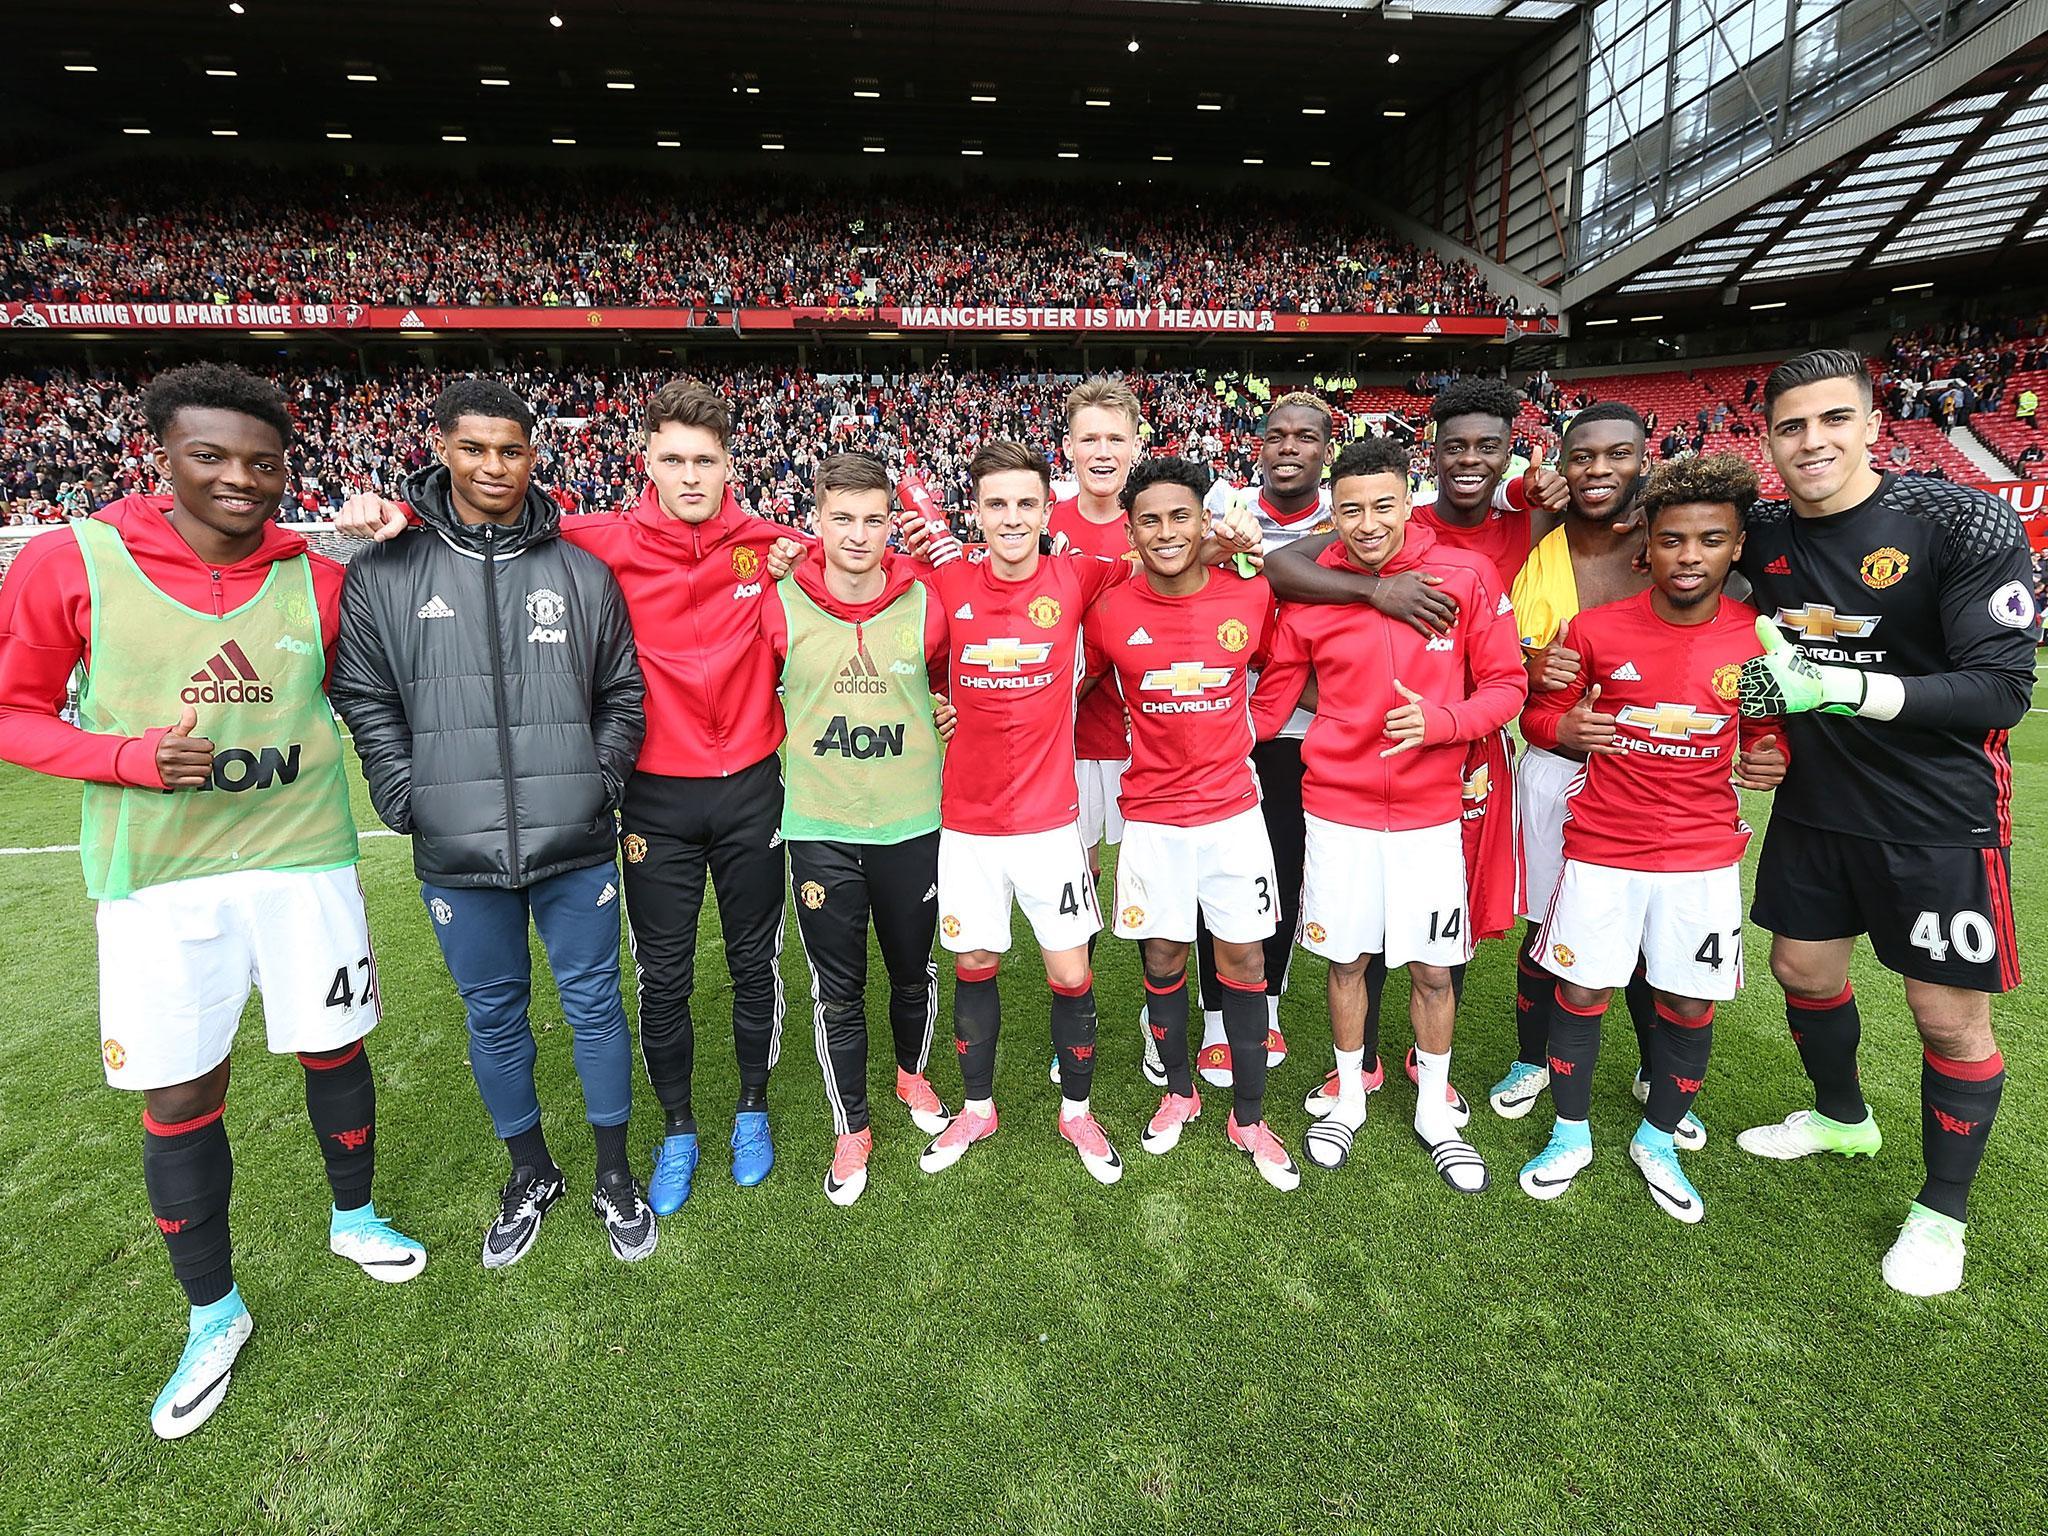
[278, 798]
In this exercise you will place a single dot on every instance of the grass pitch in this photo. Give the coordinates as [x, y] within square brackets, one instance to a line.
[1010, 1347]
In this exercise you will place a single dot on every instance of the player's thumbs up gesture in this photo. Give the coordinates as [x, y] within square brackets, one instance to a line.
[1762, 763]
[184, 761]
[1406, 724]
[1785, 681]
[1585, 729]
[1545, 488]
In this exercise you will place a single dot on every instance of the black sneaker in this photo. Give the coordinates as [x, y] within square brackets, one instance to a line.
[628, 1220]
[525, 1199]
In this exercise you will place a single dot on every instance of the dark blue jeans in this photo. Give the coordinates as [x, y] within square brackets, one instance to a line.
[483, 938]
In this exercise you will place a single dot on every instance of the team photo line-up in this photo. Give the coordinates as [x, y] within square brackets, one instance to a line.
[1288, 707]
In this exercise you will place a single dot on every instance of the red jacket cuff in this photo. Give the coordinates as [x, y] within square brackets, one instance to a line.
[1439, 725]
[135, 763]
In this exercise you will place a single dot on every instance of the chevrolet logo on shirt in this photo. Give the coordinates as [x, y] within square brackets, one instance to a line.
[1185, 679]
[1672, 722]
[1818, 621]
[1005, 654]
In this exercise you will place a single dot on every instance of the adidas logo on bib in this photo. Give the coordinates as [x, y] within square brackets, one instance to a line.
[228, 677]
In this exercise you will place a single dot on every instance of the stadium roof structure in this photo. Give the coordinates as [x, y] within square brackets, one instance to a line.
[1946, 170]
[1222, 82]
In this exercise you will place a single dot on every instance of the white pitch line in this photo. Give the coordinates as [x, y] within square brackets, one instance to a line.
[73, 847]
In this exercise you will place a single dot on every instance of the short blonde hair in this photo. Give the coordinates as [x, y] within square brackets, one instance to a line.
[1109, 394]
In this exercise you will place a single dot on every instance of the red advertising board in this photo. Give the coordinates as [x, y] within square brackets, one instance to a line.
[2029, 498]
[1022, 319]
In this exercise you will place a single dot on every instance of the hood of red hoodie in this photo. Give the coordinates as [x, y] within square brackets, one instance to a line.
[898, 572]
[696, 538]
[1416, 543]
[147, 531]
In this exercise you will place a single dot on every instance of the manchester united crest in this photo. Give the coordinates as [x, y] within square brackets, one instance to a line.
[1232, 635]
[115, 1053]
[636, 847]
[1728, 680]
[1044, 612]
[745, 563]
[951, 925]
[1562, 954]
[1316, 933]
[811, 894]
[1131, 917]
[1884, 568]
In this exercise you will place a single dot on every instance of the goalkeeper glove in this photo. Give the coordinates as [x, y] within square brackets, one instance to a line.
[1786, 681]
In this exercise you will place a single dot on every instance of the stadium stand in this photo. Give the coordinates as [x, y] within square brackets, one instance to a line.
[313, 236]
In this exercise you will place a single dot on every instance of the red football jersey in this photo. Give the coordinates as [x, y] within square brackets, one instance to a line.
[1502, 536]
[1015, 660]
[1099, 734]
[1181, 663]
[1666, 802]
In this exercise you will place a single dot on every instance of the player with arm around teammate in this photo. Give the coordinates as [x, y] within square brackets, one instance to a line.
[1178, 640]
[216, 834]
[1382, 787]
[1653, 835]
[1900, 631]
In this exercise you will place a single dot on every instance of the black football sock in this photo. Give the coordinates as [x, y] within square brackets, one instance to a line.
[611, 1147]
[189, 1172]
[1457, 984]
[1534, 988]
[1827, 1033]
[341, 1101]
[1073, 1033]
[977, 1020]
[1166, 1015]
[678, 1122]
[1375, 990]
[753, 1099]
[1641, 998]
[1244, 1023]
[529, 1149]
[1574, 1050]
[1679, 1049]
[1958, 1102]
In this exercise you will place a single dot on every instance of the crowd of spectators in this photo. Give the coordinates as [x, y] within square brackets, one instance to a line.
[69, 442]
[233, 234]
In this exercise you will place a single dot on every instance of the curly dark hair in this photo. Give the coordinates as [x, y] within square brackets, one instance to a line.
[211, 387]
[1713, 479]
[475, 396]
[1165, 471]
[1371, 456]
[1477, 397]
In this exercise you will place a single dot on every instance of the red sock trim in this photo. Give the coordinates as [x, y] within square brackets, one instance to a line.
[1967, 1071]
[972, 973]
[329, 1063]
[1582, 1013]
[156, 1127]
[1080, 991]
[1178, 983]
[1669, 1016]
[1821, 1005]
[1244, 986]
